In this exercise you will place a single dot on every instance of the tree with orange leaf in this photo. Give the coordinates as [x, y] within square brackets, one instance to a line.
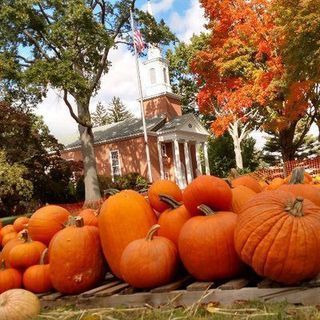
[241, 72]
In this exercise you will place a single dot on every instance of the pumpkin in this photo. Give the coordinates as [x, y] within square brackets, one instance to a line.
[37, 278]
[206, 245]
[278, 235]
[27, 253]
[7, 237]
[172, 220]
[209, 190]
[76, 261]
[20, 223]
[149, 262]
[263, 184]
[298, 188]
[19, 304]
[9, 278]
[124, 217]
[6, 229]
[240, 196]
[166, 187]
[248, 182]
[46, 222]
[90, 217]
[275, 184]
[7, 248]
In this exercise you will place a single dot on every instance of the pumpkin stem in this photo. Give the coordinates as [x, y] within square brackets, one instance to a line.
[234, 173]
[174, 204]
[3, 264]
[297, 175]
[24, 236]
[296, 208]
[152, 231]
[110, 192]
[228, 182]
[44, 256]
[206, 210]
[75, 221]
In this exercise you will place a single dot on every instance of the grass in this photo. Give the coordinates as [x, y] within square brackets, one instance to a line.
[241, 310]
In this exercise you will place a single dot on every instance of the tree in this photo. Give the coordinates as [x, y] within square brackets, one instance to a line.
[117, 111]
[241, 72]
[65, 45]
[99, 117]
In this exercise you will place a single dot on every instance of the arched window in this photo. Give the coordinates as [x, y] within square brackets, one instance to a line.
[152, 75]
[165, 78]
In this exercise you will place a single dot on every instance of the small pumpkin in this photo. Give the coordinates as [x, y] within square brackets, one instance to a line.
[7, 237]
[149, 262]
[20, 223]
[240, 196]
[9, 278]
[76, 260]
[46, 222]
[27, 253]
[6, 229]
[7, 248]
[19, 304]
[90, 217]
[124, 217]
[278, 235]
[37, 277]
[275, 184]
[209, 190]
[245, 180]
[172, 220]
[206, 245]
[166, 187]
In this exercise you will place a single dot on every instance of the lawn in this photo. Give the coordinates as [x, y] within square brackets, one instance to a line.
[241, 310]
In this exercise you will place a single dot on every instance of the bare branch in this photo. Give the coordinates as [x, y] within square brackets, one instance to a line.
[73, 115]
[25, 59]
[45, 15]
[36, 43]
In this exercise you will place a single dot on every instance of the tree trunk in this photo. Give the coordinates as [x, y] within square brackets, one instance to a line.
[92, 190]
[286, 139]
[234, 132]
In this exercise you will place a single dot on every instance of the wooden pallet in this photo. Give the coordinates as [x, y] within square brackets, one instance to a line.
[185, 291]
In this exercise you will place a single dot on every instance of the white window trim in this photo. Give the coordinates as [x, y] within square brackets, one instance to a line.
[112, 173]
[163, 150]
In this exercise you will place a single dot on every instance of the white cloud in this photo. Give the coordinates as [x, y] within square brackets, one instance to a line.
[159, 6]
[190, 22]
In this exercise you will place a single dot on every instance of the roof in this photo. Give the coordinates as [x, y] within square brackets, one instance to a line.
[121, 130]
[175, 123]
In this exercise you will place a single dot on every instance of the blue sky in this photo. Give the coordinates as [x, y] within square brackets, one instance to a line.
[184, 17]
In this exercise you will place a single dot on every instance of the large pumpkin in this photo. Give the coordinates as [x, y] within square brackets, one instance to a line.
[209, 190]
[76, 260]
[124, 217]
[240, 196]
[9, 278]
[46, 222]
[166, 187]
[19, 304]
[149, 262]
[172, 220]
[278, 235]
[206, 246]
[37, 277]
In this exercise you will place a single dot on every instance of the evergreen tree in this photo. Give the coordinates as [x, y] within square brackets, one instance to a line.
[117, 111]
[99, 118]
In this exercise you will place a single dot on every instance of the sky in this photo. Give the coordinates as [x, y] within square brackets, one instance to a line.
[184, 17]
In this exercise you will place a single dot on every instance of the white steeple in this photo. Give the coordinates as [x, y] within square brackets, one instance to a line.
[155, 70]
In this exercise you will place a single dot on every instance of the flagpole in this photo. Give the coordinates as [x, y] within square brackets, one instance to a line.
[141, 102]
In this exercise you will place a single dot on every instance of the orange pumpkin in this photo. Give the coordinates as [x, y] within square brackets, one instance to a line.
[6, 229]
[275, 184]
[124, 217]
[278, 235]
[172, 220]
[46, 222]
[248, 182]
[7, 237]
[9, 278]
[37, 278]
[240, 196]
[7, 248]
[209, 190]
[90, 217]
[263, 184]
[149, 262]
[27, 253]
[166, 187]
[20, 223]
[206, 246]
[76, 260]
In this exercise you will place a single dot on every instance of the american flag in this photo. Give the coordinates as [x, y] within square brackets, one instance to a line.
[138, 40]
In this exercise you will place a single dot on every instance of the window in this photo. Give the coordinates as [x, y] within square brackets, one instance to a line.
[153, 75]
[115, 163]
[165, 79]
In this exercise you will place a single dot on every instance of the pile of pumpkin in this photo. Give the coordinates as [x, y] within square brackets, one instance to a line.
[213, 230]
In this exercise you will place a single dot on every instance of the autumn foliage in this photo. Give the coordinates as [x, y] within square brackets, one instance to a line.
[242, 67]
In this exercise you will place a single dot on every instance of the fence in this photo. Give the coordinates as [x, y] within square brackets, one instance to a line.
[312, 166]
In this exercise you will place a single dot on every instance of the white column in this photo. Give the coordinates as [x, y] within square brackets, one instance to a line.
[199, 167]
[188, 161]
[160, 159]
[206, 158]
[177, 163]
